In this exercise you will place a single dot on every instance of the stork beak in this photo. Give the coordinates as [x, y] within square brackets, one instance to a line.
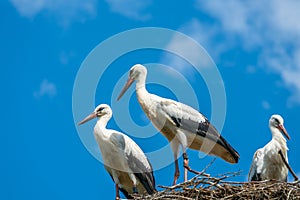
[125, 88]
[88, 118]
[282, 129]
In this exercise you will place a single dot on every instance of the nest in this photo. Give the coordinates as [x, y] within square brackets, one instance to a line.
[201, 187]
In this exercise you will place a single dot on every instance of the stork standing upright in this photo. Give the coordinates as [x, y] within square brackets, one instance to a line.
[123, 158]
[182, 125]
[267, 162]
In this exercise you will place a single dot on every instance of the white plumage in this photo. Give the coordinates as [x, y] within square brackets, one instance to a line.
[267, 163]
[123, 158]
[182, 125]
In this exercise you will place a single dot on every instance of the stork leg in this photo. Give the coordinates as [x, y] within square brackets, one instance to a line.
[177, 173]
[185, 165]
[175, 147]
[117, 192]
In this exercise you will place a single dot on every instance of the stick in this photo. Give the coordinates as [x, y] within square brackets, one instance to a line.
[288, 166]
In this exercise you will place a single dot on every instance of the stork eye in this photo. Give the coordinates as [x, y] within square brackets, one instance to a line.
[100, 109]
[276, 122]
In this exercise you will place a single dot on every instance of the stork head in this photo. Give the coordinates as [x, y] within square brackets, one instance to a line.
[137, 73]
[276, 121]
[103, 110]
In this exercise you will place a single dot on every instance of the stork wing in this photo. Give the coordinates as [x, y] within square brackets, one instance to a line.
[256, 166]
[137, 160]
[140, 165]
[144, 174]
[190, 120]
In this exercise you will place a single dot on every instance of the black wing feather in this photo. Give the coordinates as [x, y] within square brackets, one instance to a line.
[205, 129]
[144, 175]
[256, 177]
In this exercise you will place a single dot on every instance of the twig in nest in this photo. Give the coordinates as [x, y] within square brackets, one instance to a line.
[220, 188]
[202, 173]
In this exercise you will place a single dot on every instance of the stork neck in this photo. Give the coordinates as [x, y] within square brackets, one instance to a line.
[141, 91]
[141, 86]
[141, 82]
[277, 135]
[102, 121]
[100, 130]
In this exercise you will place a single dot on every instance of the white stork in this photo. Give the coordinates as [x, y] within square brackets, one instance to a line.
[182, 125]
[267, 162]
[123, 158]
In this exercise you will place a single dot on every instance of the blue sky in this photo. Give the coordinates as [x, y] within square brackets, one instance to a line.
[255, 45]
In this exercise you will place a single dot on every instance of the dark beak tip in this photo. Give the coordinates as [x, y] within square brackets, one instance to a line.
[88, 118]
[79, 123]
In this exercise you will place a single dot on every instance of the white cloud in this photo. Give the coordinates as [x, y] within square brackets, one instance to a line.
[65, 57]
[46, 89]
[134, 9]
[266, 105]
[286, 16]
[268, 27]
[28, 8]
[64, 10]
[187, 50]
[232, 20]
[250, 69]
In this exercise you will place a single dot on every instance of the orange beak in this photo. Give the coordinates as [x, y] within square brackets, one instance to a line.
[125, 88]
[88, 118]
[283, 130]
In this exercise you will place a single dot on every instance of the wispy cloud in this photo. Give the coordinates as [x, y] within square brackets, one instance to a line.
[250, 69]
[65, 57]
[186, 50]
[46, 89]
[133, 9]
[65, 11]
[266, 105]
[268, 27]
